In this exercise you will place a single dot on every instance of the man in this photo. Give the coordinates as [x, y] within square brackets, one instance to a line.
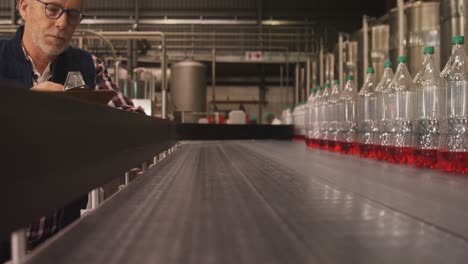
[39, 56]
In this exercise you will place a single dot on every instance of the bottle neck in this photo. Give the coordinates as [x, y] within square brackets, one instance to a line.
[388, 73]
[428, 58]
[349, 86]
[336, 89]
[370, 77]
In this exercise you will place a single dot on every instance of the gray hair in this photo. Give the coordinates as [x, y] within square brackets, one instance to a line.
[83, 6]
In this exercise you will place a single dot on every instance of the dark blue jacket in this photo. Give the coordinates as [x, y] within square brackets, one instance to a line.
[14, 65]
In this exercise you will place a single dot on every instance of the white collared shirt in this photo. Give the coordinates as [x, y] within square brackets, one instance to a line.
[37, 77]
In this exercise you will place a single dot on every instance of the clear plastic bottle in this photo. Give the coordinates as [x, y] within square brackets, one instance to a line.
[430, 94]
[348, 119]
[309, 115]
[444, 71]
[385, 108]
[334, 113]
[367, 117]
[402, 125]
[288, 120]
[316, 117]
[453, 151]
[324, 116]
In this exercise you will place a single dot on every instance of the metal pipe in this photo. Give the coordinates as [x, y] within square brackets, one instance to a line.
[102, 37]
[340, 60]
[213, 73]
[327, 68]
[95, 199]
[365, 36]
[117, 71]
[401, 25]
[127, 178]
[164, 76]
[268, 22]
[18, 246]
[314, 72]
[321, 61]
[302, 88]
[281, 83]
[287, 82]
[308, 77]
[296, 87]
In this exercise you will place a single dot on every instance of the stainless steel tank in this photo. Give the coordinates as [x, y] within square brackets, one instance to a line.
[188, 90]
[423, 29]
[379, 48]
[452, 23]
[393, 38]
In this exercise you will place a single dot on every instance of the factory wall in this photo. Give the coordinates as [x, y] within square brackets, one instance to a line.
[275, 96]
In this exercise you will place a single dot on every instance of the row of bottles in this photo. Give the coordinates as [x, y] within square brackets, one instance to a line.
[421, 121]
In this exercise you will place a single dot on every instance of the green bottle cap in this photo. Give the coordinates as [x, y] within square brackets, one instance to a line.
[336, 81]
[370, 70]
[319, 88]
[429, 50]
[312, 90]
[327, 85]
[388, 64]
[349, 77]
[458, 40]
[402, 59]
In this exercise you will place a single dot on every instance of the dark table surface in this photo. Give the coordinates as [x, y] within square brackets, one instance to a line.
[272, 202]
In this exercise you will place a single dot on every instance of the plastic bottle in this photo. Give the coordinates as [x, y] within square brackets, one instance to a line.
[334, 113]
[324, 116]
[316, 117]
[402, 125]
[299, 121]
[309, 115]
[430, 94]
[385, 108]
[288, 120]
[367, 117]
[443, 73]
[348, 120]
[453, 151]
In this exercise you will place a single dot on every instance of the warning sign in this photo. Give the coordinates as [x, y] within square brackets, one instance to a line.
[253, 56]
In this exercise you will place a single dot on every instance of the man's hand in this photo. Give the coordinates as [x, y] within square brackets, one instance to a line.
[48, 87]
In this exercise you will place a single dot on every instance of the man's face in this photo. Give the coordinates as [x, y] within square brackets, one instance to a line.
[51, 36]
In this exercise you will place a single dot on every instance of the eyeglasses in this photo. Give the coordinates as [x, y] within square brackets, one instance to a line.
[54, 11]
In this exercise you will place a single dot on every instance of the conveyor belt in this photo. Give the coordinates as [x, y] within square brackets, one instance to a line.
[273, 202]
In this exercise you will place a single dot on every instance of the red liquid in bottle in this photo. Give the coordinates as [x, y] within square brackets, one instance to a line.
[401, 155]
[463, 156]
[323, 144]
[425, 158]
[316, 143]
[350, 148]
[367, 151]
[463, 164]
[453, 161]
[333, 146]
[337, 147]
[380, 153]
